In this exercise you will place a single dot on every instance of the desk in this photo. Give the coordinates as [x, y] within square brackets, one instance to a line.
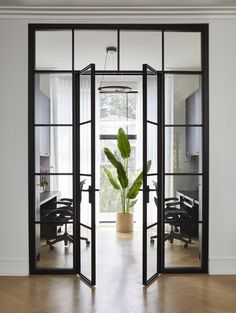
[191, 204]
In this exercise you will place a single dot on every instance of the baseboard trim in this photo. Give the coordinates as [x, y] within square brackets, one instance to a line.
[14, 267]
[222, 266]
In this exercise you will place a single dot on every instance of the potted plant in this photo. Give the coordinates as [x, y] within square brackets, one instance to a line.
[123, 184]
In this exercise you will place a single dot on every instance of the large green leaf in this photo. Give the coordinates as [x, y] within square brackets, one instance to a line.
[122, 177]
[132, 203]
[134, 189]
[123, 144]
[112, 179]
[111, 157]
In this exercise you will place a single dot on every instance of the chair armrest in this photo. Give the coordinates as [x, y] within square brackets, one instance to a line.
[65, 203]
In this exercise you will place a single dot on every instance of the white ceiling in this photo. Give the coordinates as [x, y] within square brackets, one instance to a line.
[118, 3]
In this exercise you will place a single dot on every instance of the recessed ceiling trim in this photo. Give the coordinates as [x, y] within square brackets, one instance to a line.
[119, 12]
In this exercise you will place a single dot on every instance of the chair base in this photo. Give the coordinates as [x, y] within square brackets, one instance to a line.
[66, 238]
[171, 236]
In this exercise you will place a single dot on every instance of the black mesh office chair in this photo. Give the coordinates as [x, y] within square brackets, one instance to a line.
[62, 215]
[176, 216]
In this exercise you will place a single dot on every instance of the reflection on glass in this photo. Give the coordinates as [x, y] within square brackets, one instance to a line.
[53, 99]
[90, 47]
[151, 252]
[182, 216]
[85, 98]
[183, 101]
[85, 250]
[53, 149]
[138, 48]
[183, 149]
[85, 149]
[152, 146]
[152, 103]
[182, 51]
[54, 50]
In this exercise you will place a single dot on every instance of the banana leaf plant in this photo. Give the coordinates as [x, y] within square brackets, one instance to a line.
[128, 188]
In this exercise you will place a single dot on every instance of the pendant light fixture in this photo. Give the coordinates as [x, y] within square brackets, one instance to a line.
[110, 51]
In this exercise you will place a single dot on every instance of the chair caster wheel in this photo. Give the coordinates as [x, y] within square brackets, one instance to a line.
[87, 243]
[152, 241]
[51, 247]
[185, 245]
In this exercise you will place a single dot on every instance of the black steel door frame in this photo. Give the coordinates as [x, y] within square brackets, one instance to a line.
[204, 72]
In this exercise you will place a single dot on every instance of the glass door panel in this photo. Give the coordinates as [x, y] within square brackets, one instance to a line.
[151, 203]
[86, 171]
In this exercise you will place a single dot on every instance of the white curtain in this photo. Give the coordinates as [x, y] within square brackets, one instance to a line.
[169, 133]
[61, 137]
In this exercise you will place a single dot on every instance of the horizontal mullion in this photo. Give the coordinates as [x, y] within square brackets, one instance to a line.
[87, 175]
[51, 174]
[191, 222]
[152, 225]
[184, 174]
[151, 279]
[150, 122]
[84, 123]
[183, 125]
[86, 226]
[152, 174]
[114, 137]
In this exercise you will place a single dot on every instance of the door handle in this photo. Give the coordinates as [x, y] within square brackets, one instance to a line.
[90, 191]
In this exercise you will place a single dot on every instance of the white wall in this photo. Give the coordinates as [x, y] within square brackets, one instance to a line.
[14, 141]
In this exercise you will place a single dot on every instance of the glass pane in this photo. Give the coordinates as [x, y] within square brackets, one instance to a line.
[85, 148]
[53, 99]
[183, 146]
[183, 214]
[85, 209]
[140, 47]
[151, 251]
[152, 102]
[48, 190]
[90, 47]
[54, 244]
[85, 97]
[182, 51]
[183, 99]
[53, 149]
[54, 50]
[118, 109]
[152, 147]
[85, 250]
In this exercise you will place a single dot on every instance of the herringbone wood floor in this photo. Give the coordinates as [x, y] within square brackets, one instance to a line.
[170, 294]
[119, 288]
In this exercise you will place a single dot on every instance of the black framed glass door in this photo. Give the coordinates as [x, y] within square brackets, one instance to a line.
[86, 249]
[151, 159]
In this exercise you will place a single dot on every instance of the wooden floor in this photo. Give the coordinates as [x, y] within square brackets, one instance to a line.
[169, 294]
[119, 288]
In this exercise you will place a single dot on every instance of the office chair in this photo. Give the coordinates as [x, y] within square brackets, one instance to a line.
[175, 217]
[63, 215]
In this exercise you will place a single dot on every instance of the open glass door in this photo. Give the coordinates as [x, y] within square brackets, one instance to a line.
[85, 184]
[151, 177]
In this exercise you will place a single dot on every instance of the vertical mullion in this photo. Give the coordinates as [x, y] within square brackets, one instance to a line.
[77, 173]
[144, 174]
[31, 152]
[205, 149]
[118, 49]
[161, 190]
[93, 165]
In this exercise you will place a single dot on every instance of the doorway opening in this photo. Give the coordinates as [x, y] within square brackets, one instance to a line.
[73, 206]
